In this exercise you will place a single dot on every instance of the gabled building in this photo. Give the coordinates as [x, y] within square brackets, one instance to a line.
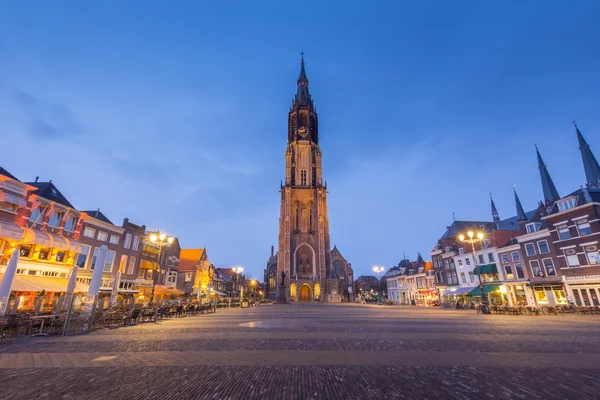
[343, 271]
[195, 273]
[272, 280]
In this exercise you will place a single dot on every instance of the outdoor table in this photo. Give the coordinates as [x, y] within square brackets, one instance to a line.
[43, 318]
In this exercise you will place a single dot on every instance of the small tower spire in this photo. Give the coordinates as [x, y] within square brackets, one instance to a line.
[548, 188]
[590, 164]
[495, 215]
[521, 216]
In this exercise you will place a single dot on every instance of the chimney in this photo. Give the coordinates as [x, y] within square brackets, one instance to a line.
[37, 178]
[272, 251]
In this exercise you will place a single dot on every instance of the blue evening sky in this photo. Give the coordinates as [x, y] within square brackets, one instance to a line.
[174, 113]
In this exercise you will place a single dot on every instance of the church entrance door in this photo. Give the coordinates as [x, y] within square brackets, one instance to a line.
[305, 293]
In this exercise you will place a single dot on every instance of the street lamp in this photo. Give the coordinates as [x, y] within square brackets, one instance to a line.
[379, 270]
[472, 239]
[238, 271]
[161, 240]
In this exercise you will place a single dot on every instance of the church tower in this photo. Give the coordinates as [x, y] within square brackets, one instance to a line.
[304, 243]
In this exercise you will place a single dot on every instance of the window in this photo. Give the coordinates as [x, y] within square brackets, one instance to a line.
[123, 263]
[60, 256]
[533, 227]
[71, 223]
[110, 259]
[141, 273]
[89, 232]
[540, 295]
[516, 256]
[563, 232]
[460, 263]
[471, 278]
[463, 277]
[535, 268]
[131, 265]
[486, 243]
[566, 204]
[543, 247]
[303, 177]
[509, 272]
[55, 218]
[102, 236]
[36, 215]
[114, 239]
[82, 257]
[481, 260]
[136, 242]
[447, 264]
[127, 241]
[44, 252]
[519, 269]
[461, 251]
[491, 257]
[10, 207]
[592, 254]
[25, 251]
[572, 258]
[583, 227]
[530, 249]
[467, 261]
[505, 258]
[549, 266]
[188, 276]
[172, 277]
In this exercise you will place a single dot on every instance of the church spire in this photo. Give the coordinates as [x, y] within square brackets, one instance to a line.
[302, 96]
[548, 188]
[521, 216]
[495, 215]
[590, 164]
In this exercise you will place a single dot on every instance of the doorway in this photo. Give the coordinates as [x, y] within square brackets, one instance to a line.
[305, 293]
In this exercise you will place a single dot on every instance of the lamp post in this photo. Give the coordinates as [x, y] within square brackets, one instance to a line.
[379, 270]
[238, 271]
[472, 239]
[161, 240]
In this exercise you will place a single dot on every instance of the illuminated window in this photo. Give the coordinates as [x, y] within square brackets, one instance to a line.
[123, 263]
[540, 295]
[82, 257]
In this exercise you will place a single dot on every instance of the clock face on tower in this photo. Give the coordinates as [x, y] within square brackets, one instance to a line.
[303, 131]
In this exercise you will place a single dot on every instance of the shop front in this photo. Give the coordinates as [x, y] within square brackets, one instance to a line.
[583, 290]
[519, 294]
[549, 294]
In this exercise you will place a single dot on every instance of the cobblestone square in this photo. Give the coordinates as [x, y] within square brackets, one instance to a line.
[315, 351]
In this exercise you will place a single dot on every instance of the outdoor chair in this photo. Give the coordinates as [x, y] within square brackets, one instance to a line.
[533, 311]
[57, 324]
[9, 328]
[133, 316]
[550, 310]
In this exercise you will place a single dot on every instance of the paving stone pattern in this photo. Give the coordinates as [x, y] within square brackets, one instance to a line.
[315, 351]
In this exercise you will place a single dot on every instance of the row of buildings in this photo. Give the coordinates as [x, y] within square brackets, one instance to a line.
[548, 255]
[53, 236]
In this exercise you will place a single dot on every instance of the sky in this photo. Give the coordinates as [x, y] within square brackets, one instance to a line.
[174, 114]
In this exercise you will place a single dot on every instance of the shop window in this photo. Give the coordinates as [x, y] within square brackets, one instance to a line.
[505, 258]
[593, 255]
[89, 232]
[60, 256]
[583, 227]
[535, 268]
[519, 270]
[563, 232]
[516, 256]
[560, 296]
[82, 257]
[530, 249]
[71, 223]
[543, 247]
[25, 251]
[540, 295]
[148, 274]
[572, 258]
[44, 253]
[102, 236]
[549, 267]
[509, 272]
[141, 273]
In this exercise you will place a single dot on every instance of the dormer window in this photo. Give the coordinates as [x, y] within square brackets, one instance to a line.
[533, 227]
[566, 204]
[461, 251]
[486, 243]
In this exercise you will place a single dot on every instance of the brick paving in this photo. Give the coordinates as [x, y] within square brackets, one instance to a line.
[314, 351]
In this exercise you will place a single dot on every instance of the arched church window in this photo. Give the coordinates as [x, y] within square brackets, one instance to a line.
[304, 258]
[303, 177]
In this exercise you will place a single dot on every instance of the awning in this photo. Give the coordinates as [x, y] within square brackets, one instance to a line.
[37, 237]
[25, 283]
[148, 265]
[13, 199]
[485, 269]
[486, 288]
[59, 242]
[166, 290]
[10, 230]
[461, 290]
[218, 292]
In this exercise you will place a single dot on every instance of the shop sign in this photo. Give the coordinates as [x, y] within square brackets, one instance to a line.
[12, 188]
[583, 278]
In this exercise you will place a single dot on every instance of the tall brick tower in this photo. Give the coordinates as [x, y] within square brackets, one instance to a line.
[304, 253]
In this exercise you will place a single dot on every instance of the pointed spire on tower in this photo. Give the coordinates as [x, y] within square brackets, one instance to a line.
[590, 164]
[548, 188]
[302, 95]
[521, 216]
[495, 215]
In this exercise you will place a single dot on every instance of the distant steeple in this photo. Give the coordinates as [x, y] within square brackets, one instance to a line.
[521, 216]
[302, 95]
[590, 164]
[420, 259]
[548, 188]
[495, 215]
